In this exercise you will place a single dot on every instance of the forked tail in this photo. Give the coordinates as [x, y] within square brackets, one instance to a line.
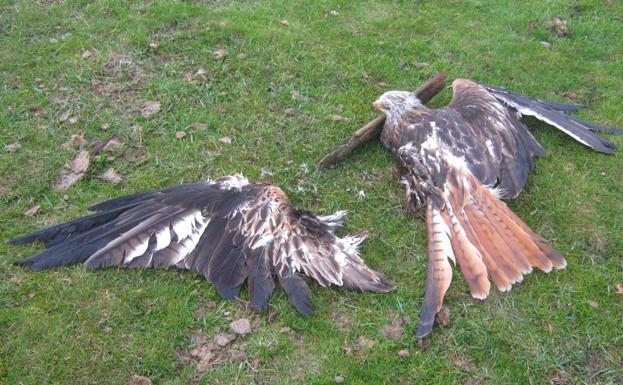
[473, 227]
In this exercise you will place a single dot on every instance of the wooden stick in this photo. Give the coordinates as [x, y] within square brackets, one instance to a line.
[368, 132]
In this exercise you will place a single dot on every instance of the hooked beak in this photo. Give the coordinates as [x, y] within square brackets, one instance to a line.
[377, 106]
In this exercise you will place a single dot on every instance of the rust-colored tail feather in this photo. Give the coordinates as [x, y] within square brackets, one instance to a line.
[486, 232]
[439, 271]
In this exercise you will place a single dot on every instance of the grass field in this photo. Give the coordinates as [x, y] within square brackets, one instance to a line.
[81, 67]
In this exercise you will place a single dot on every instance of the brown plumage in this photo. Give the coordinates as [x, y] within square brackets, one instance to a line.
[457, 162]
[229, 230]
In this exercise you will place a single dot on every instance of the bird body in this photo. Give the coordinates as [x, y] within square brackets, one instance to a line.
[230, 230]
[456, 163]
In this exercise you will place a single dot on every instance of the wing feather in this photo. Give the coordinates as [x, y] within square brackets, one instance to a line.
[228, 230]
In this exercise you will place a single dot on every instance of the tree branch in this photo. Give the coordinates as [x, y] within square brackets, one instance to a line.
[368, 132]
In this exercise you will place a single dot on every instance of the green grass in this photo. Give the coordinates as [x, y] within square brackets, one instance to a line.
[52, 324]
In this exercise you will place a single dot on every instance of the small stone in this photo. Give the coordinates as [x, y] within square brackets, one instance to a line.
[180, 134]
[225, 139]
[284, 22]
[152, 45]
[86, 54]
[241, 327]
[404, 353]
[333, 13]
[107, 330]
[290, 112]
[339, 379]
[546, 44]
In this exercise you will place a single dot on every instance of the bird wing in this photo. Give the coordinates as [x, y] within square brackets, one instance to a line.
[229, 230]
[556, 114]
[505, 143]
[468, 224]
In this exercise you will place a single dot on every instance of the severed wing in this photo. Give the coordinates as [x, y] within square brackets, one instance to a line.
[229, 230]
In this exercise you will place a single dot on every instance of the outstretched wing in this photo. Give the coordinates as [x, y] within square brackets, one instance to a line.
[229, 230]
[469, 225]
[556, 114]
[507, 147]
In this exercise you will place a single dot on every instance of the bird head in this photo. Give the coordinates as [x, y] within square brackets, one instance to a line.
[396, 101]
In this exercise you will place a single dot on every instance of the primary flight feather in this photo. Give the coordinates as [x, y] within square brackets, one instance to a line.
[229, 230]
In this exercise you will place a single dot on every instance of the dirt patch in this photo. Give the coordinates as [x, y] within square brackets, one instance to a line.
[207, 353]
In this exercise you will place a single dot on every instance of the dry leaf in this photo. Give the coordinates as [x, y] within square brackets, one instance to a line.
[32, 211]
[550, 329]
[180, 134]
[546, 44]
[11, 148]
[571, 95]
[295, 95]
[64, 116]
[110, 175]
[559, 27]
[404, 353]
[199, 127]
[72, 120]
[361, 195]
[241, 327]
[114, 143]
[152, 46]
[420, 64]
[86, 53]
[139, 380]
[339, 379]
[284, 22]
[105, 126]
[619, 287]
[76, 141]
[219, 54]
[382, 84]
[339, 118]
[81, 162]
[290, 112]
[149, 109]
[593, 304]
[73, 172]
[365, 343]
[225, 139]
